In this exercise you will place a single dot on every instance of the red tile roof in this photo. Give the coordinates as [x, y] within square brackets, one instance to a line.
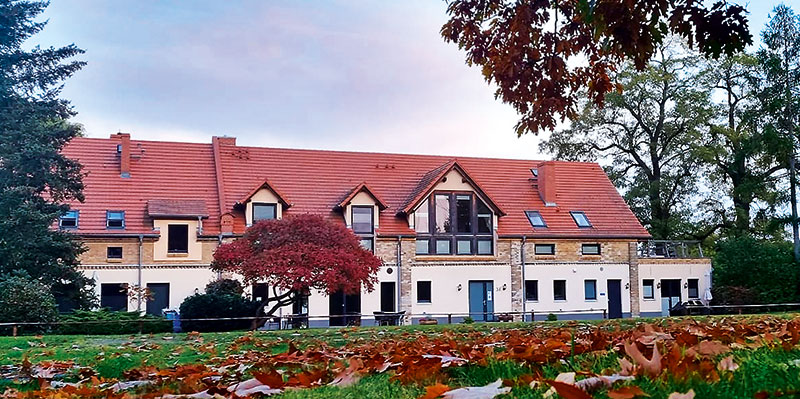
[316, 182]
[165, 208]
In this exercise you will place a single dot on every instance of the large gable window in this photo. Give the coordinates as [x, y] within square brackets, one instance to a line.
[178, 238]
[264, 211]
[451, 223]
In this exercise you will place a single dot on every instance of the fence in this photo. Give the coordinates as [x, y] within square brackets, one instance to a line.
[739, 309]
[290, 321]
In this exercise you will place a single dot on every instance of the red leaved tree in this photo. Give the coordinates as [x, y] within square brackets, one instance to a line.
[297, 254]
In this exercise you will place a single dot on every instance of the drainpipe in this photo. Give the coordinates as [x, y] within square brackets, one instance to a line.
[139, 271]
[522, 260]
[398, 271]
[219, 242]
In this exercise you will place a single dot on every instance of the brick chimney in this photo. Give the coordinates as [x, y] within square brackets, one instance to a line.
[124, 151]
[547, 183]
[225, 140]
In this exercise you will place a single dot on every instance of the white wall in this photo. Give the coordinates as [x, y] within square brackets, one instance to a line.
[575, 274]
[677, 271]
[445, 280]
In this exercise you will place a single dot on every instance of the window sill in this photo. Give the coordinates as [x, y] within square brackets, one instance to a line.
[532, 301]
[590, 300]
[559, 300]
[178, 254]
[591, 257]
[649, 299]
[424, 303]
[113, 260]
[454, 257]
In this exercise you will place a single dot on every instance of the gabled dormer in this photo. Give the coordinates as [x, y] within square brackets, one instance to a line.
[263, 202]
[361, 209]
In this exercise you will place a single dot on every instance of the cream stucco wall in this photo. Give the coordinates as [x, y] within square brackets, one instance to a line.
[160, 253]
[264, 196]
[445, 294]
[361, 198]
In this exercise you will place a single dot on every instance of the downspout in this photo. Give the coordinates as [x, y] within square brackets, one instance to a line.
[139, 271]
[398, 271]
[522, 261]
[219, 242]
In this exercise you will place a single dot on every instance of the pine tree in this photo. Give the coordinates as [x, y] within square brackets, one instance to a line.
[35, 179]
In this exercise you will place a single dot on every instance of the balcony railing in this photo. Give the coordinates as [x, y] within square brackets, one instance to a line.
[670, 249]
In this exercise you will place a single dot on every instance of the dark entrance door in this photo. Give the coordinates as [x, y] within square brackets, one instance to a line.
[344, 309]
[670, 295]
[387, 296]
[159, 300]
[614, 299]
[481, 300]
[114, 296]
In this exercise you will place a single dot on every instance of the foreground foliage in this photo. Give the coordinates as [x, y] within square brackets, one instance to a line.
[712, 358]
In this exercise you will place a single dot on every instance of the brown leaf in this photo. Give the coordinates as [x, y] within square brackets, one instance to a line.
[628, 392]
[568, 391]
[712, 348]
[651, 367]
[727, 364]
[435, 391]
[677, 395]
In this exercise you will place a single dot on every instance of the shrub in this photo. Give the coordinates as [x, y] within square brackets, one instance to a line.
[24, 299]
[733, 295]
[225, 286]
[552, 317]
[105, 321]
[468, 320]
[765, 268]
[215, 305]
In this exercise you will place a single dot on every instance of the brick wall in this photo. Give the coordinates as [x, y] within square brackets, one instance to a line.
[570, 251]
[96, 253]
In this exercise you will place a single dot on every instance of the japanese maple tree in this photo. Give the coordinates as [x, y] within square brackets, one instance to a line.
[296, 254]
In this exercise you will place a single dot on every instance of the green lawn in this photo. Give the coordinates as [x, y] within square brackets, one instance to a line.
[762, 365]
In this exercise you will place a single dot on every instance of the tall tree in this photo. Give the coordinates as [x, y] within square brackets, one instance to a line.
[646, 131]
[35, 179]
[780, 57]
[543, 55]
[744, 157]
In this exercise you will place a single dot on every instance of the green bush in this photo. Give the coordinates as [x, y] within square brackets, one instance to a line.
[104, 321]
[225, 286]
[552, 317]
[764, 268]
[24, 299]
[215, 305]
[468, 320]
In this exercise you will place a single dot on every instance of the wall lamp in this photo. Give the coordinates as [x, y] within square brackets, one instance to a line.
[504, 287]
[627, 286]
[459, 287]
[686, 285]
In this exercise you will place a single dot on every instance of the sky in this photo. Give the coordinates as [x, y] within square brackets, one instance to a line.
[362, 75]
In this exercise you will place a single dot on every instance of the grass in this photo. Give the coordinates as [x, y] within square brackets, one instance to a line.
[762, 369]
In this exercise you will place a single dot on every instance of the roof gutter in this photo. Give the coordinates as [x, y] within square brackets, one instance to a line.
[109, 235]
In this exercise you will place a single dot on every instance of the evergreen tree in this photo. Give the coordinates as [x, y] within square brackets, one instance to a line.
[35, 179]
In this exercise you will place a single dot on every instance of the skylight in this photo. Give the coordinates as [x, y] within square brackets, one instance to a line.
[535, 218]
[580, 219]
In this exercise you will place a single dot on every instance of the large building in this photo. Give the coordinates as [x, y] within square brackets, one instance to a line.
[457, 235]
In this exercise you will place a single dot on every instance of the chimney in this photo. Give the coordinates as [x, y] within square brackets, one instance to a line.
[225, 140]
[547, 183]
[124, 151]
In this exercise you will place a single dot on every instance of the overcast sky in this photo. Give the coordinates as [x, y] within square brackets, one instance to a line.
[349, 75]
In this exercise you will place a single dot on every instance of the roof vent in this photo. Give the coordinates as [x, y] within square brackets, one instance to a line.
[535, 172]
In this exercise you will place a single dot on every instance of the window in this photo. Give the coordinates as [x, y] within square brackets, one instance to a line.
[114, 296]
[367, 244]
[114, 252]
[694, 291]
[69, 220]
[647, 289]
[115, 219]
[454, 224]
[535, 218]
[423, 291]
[560, 290]
[531, 290]
[590, 249]
[580, 219]
[544, 249]
[362, 219]
[421, 222]
[262, 211]
[590, 290]
[178, 238]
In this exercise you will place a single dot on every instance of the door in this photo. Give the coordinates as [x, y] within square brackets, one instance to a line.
[114, 296]
[670, 295]
[614, 299]
[341, 307]
[159, 298]
[481, 300]
[387, 296]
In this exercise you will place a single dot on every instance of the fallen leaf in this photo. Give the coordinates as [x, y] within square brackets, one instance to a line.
[628, 392]
[712, 348]
[568, 391]
[485, 392]
[678, 395]
[567, 378]
[651, 367]
[435, 391]
[727, 364]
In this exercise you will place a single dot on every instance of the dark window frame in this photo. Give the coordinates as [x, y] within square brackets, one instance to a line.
[652, 288]
[582, 213]
[555, 291]
[531, 295]
[551, 246]
[63, 217]
[108, 220]
[428, 290]
[696, 288]
[591, 245]
[109, 250]
[454, 236]
[585, 294]
[253, 206]
[530, 220]
[171, 250]
[364, 235]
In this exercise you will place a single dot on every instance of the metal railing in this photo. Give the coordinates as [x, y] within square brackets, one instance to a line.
[676, 249]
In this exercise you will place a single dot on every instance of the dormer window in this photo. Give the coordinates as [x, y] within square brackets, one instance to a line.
[450, 223]
[69, 220]
[535, 218]
[115, 219]
[264, 211]
[363, 224]
[580, 219]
